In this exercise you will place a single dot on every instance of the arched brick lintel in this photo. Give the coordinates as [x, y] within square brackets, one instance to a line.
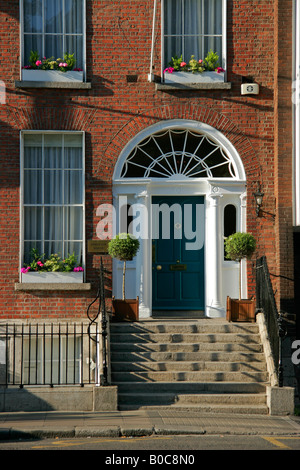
[191, 112]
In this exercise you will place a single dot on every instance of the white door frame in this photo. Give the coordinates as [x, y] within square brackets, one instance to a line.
[217, 193]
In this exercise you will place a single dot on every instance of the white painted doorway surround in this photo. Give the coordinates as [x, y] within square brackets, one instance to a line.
[221, 276]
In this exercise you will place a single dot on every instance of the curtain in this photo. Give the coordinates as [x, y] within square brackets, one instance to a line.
[192, 27]
[53, 194]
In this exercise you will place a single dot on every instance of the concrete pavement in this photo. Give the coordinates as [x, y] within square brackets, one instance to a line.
[141, 423]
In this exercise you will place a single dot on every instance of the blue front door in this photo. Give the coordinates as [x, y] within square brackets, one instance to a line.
[178, 253]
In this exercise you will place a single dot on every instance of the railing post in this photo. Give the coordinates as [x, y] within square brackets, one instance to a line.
[282, 331]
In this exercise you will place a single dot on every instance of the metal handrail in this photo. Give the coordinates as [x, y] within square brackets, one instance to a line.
[265, 302]
[100, 297]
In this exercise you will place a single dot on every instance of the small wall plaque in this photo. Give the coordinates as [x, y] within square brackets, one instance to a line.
[98, 246]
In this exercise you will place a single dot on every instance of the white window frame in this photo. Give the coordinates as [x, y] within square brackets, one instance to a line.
[22, 42]
[224, 37]
[22, 133]
[296, 124]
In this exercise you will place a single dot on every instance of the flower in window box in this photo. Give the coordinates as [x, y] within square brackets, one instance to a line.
[52, 264]
[209, 64]
[64, 65]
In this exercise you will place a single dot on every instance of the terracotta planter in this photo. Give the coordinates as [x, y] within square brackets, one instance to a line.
[240, 310]
[125, 310]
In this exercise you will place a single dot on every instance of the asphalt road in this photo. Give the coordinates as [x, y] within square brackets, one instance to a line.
[172, 448]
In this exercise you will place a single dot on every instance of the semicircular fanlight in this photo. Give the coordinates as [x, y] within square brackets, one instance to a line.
[174, 153]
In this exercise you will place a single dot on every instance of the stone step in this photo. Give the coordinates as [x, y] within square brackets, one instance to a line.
[194, 399]
[204, 326]
[171, 338]
[156, 388]
[203, 408]
[194, 376]
[238, 403]
[179, 356]
[187, 347]
[188, 366]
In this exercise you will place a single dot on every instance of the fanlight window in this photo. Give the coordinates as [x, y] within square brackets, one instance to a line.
[178, 153]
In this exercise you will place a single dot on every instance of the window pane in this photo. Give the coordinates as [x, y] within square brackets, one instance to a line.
[192, 17]
[53, 181]
[74, 46]
[173, 47]
[76, 248]
[54, 46]
[229, 220]
[214, 43]
[173, 16]
[33, 157]
[33, 223]
[73, 187]
[33, 16]
[53, 223]
[53, 247]
[213, 17]
[73, 158]
[193, 46]
[53, 157]
[28, 245]
[74, 16]
[33, 187]
[32, 43]
[53, 16]
[73, 223]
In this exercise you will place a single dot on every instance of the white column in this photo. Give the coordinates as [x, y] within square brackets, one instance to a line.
[141, 211]
[214, 307]
[243, 198]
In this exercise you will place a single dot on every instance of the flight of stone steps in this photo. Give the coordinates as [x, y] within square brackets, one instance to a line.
[207, 365]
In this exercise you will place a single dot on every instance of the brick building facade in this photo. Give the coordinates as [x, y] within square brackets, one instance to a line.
[122, 101]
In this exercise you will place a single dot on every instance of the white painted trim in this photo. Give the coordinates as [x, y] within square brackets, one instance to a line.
[196, 126]
[21, 249]
[224, 38]
[84, 52]
[296, 102]
[227, 189]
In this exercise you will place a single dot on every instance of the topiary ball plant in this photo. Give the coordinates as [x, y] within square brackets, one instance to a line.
[239, 246]
[124, 247]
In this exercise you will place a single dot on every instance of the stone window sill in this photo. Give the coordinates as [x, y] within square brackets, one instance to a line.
[52, 286]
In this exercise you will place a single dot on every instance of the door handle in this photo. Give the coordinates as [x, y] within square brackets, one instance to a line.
[159, 267]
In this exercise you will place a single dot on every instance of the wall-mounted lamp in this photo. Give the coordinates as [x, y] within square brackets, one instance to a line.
[258, 199]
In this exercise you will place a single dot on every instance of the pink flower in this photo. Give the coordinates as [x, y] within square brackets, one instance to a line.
[38, 63]
[169, 70]
[63, 64]
[200, 61]
[39, 263]
[219, 70]
[183, 64]
[25, 270]
[78, 70]
[78, 269]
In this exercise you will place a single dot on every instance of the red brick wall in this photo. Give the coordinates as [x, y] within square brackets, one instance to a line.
[113, 111]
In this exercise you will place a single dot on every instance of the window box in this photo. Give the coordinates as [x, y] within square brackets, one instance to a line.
[51, 76]
[52, 277]
[188, 77]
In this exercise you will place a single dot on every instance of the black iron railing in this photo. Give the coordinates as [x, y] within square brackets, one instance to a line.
[100, 298]
[48, 354]
[265, 302]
